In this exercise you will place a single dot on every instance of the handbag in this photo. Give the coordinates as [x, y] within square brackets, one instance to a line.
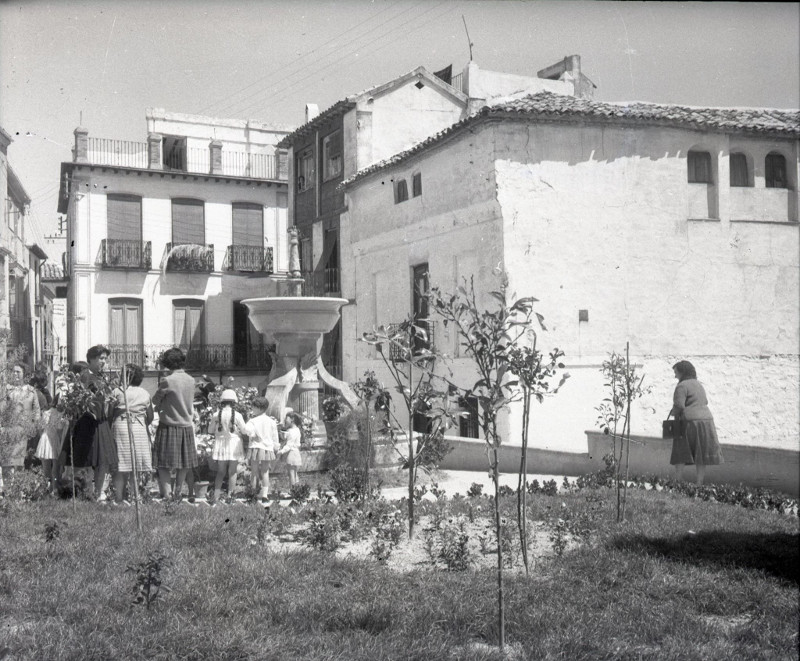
[670, 428]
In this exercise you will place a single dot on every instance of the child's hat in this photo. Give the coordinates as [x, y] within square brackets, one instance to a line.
[228, 396]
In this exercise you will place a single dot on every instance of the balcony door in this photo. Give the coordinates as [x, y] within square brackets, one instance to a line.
[247, 251]
[188, 328]
[125, 331]
[124, 247]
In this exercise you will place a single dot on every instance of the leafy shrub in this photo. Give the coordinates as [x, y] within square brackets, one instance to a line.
[323, 529]
[300, 492]
[387, 534]
[148, 582]
[26, 486]
[434, 448]
[452, 543]
[505, 490]
[349, 484]
[475, 490]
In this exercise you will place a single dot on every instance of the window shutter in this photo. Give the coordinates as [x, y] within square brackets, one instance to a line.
[124, 214]
[248, 225]
[738, 163]
[775, 171]
[188, 222]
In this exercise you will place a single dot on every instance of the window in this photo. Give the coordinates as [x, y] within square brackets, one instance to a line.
[468, 426]
[248, 224]
[306, 255]
[739, 176]
[125, 330]
[124, 214]
[416, 184]
[174, 152]
[188, 222]
[775, 171]
[305, 170]
[187, 323]
[400, 191]
[332, 155]
[699, 167]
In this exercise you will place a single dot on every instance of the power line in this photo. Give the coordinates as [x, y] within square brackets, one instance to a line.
[296, 82]
[301, 57]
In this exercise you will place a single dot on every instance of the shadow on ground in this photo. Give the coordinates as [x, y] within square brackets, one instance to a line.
[777, 554]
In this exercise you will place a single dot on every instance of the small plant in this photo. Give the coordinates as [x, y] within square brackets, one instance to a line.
[148, 582]
[506, 490]
[52, 531]
[453, 544]
[324, 530]
[436, 491]
[387, 535]
[333, 407]
[475, 490]
[300, 492]
[348, 484]
[26, 486]
[419, 492]
[559, 537]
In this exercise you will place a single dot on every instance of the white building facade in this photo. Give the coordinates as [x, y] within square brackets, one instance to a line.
[674, 229]
[165, 238]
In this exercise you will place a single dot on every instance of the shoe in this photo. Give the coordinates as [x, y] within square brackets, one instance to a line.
[191, 500]
[265, 503]
[214, 504]
[102, 498]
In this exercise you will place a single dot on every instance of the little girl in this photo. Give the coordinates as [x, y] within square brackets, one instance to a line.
[228, 449]
[291, 446]
[263, 433]
[51, 441]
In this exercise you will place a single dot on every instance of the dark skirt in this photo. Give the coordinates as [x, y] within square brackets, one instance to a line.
[697, 444]
[92, 444]
[174, 447]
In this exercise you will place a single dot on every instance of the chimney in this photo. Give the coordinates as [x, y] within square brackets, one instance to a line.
[312, 110]
[569, 69]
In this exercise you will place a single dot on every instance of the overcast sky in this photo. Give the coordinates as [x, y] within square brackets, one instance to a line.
[100, 64]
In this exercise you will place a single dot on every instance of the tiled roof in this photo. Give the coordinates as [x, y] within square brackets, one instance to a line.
[555, 107]
[52, 271]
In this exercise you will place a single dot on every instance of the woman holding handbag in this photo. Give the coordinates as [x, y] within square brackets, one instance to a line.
[696, 442]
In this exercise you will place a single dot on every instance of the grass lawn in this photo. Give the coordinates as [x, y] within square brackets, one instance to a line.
[681, 579]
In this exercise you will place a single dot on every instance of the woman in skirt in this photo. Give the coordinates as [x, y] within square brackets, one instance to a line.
[697, 443]
[132, 406]
[174, 447]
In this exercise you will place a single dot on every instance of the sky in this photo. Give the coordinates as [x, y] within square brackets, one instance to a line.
[100, 64]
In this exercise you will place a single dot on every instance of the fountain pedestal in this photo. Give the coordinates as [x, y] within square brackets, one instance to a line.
[297, 324]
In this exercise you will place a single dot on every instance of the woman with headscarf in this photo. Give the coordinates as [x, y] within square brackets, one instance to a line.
[697, 442]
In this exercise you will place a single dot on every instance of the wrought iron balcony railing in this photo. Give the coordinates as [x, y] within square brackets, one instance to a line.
[200, 357]
[421, 338]
[253, 259]
[191, 257]
[125, 254]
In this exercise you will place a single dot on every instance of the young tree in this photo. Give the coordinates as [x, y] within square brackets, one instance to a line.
[528, 364]
[486, 338]
[623, 384]
[409, 357]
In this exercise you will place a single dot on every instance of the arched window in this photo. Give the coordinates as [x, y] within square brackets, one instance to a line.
[739, 173]
[400, 191]
[775, 171]
[699, 163]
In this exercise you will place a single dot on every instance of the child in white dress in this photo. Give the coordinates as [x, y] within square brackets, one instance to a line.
[263, 433]
[50, 444]
[291, 446]
[227, 427]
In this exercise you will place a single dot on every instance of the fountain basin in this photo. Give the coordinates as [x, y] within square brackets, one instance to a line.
[305, 315]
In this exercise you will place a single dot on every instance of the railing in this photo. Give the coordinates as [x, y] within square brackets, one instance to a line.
[420, 341]
[190, 257]
[324, 282]
[254, 259]
[123, 153]
[200, 357]
[256, 166]
[125, 254]
[457, 82]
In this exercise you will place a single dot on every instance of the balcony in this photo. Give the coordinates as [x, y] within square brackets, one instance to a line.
[123, 153]
[125, 254]
[421, 340]
[189, 257]
[324, 282]
[201, 357]
[250, 259]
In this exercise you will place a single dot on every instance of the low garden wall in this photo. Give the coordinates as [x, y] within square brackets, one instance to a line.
[778, 470]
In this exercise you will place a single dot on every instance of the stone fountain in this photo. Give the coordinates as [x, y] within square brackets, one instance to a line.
[297, 325]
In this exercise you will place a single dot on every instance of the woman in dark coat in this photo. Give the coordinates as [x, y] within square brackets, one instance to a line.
[92, 440]
[697, 443]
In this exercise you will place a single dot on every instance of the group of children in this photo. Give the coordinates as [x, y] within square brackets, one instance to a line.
[264, 447]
